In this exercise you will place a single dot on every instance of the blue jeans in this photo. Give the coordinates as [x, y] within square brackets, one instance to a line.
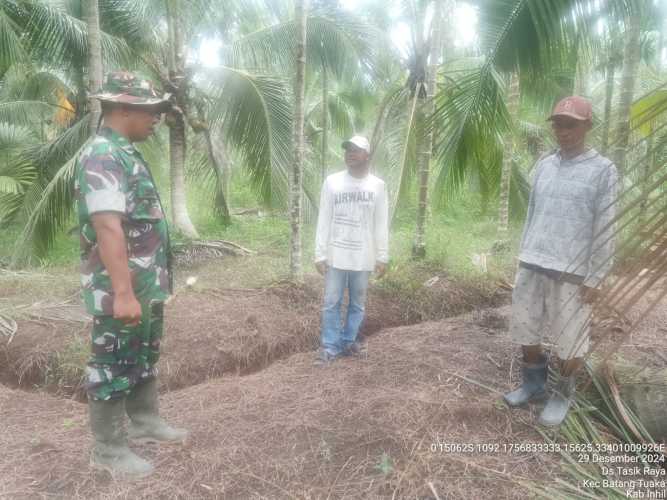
[334, 336]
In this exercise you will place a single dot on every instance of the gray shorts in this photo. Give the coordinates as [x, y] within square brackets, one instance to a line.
[542, 304]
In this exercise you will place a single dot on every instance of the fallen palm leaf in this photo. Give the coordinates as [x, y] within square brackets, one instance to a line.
[55, 311]
[8, 327]
[193, 251]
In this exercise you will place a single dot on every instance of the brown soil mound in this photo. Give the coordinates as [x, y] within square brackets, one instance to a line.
[360, 428]
[208, 333]
[27, 360]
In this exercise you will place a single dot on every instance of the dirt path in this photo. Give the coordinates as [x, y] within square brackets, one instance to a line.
[357, 429]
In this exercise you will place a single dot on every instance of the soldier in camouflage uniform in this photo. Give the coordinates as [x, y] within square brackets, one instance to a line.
[125, 274]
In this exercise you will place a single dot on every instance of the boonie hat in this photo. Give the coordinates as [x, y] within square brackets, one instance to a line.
[130, 88]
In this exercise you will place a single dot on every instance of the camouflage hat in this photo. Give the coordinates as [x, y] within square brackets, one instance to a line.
[130, 88]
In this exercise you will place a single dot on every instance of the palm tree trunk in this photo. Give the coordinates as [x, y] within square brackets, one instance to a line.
[631, 55]
[608, 97]
[177, 147]
[513, 99]
[92, 17]
[176, 123]
[325, 121]
[425, 143]
[300, 9]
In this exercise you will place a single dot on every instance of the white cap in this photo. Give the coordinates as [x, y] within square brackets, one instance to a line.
[359, 141]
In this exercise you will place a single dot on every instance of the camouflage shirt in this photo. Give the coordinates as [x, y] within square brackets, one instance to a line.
[112, 176]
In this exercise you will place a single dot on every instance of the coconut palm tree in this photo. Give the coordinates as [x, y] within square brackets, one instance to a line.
[301, 17]
[426, 107]
[535, 40]
[251, 111]
[513, 99]
[95, 70]
[176, 121]
[44, 88]
[402, 141]
[340, 48]
[631, 56]
[613, 58]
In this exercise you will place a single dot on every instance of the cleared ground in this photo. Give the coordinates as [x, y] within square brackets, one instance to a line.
[361, 428]
[237, 370]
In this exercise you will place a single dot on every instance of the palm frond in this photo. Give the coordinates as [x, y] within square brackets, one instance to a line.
[394, 143]
[473, 118]
[14, 136]
[599, 422]
[16, 173]
[49, 215]
[17, 176]
[132, 21]
[336, 40]
[48, 199]
[517, 35]
[10, 185]
[52, 155]
[201, 171]
[256, 118]
[11, 48]
[54, 36]
[521, 33]
[25, 112]
[44, 85]
[342, 115]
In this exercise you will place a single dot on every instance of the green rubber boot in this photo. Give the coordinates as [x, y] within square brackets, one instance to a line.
[559, 403]
[145, 422]
[533, 386]
[110, 451]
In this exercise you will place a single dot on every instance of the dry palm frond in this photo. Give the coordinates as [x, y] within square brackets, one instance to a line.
[56, 311]
[600, 418]
[198, 250]
[8, 327]
[620, 406]
[66, 310]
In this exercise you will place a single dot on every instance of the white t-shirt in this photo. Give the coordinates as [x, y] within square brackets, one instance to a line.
[352, 226]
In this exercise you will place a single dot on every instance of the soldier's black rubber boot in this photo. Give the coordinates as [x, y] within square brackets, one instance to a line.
[110, 451]
[533, 386]
[145, 422]
[559, 403]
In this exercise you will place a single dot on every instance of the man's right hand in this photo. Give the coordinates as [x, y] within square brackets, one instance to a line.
[127, 309]
[113, 253]
[321, 267]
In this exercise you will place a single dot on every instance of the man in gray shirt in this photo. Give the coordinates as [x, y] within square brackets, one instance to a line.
[566, 251]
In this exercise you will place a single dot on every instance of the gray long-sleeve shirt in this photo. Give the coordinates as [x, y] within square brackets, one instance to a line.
[572, 203]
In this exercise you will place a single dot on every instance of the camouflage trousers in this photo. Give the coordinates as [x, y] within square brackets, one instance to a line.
[122, 355]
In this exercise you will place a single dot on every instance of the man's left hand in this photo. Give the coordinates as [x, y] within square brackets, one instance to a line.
[589, 294]
[380, 269]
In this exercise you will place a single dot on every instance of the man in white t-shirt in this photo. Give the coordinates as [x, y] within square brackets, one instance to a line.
[351, 242]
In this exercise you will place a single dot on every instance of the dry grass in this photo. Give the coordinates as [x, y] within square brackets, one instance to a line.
[356, 429]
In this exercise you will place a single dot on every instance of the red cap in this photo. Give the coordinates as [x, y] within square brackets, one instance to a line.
[575, 107]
